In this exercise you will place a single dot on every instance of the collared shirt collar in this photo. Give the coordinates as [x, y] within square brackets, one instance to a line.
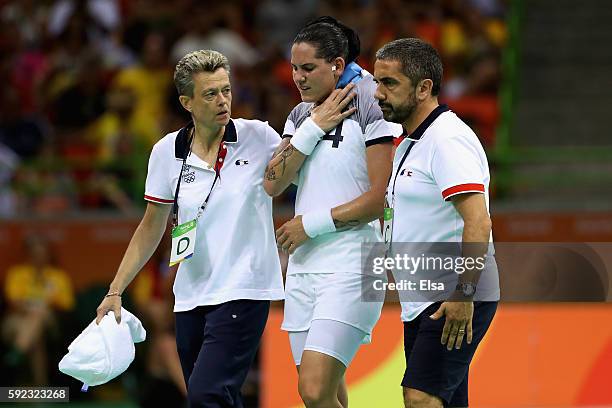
[181, 144]
[418, 132]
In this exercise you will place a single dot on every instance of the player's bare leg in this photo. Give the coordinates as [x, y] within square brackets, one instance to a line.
[419, 399]
[320, 378]
[342, 391]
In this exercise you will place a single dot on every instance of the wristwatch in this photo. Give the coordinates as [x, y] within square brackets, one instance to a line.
[466, 288]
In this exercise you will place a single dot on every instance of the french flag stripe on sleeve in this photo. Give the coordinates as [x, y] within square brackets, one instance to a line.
[463, 188]
[158, 200]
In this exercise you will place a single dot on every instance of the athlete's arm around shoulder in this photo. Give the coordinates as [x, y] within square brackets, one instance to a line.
[145, 240]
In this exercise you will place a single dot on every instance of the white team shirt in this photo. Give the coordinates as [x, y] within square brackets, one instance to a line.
[236, 255]
[335, 173]
[446, 159]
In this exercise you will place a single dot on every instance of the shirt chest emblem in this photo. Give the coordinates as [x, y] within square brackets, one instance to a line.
[406, 173]
[189, 174]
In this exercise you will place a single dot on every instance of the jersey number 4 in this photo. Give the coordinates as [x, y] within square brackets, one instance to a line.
[336, 138]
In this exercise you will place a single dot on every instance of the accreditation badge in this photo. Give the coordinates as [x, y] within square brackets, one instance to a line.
[183, 242]
[387, 224]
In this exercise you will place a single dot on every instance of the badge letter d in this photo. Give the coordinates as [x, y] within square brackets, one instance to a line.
[183, 241]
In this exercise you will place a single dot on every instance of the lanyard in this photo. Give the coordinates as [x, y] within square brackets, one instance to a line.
[398, 170]
[217, 167]
[389, 219]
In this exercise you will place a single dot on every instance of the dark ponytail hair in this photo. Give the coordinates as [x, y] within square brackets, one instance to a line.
[331, 39]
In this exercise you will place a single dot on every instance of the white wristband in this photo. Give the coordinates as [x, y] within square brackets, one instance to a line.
[318, 222]
[307, 136]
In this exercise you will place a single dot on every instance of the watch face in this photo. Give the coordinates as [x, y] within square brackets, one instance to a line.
[467, 289]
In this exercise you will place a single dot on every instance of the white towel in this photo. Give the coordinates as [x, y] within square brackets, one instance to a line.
[102, 352]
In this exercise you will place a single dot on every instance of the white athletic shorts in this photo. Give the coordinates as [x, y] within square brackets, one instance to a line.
[331, 296]
[329, 337]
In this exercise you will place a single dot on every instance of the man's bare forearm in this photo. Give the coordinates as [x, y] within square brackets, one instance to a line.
[476, 231]
[283, 168]
[475, 245]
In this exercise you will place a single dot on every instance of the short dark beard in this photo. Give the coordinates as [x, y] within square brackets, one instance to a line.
[401, 113]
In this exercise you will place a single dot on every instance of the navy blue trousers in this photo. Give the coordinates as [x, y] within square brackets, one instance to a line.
[433, 369]
[216, 346]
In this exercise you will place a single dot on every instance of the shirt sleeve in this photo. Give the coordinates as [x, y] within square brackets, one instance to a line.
[289, 129]
[157, 187]
[457, 167]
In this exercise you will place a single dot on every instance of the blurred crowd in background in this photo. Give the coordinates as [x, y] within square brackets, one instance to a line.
[42, 313]
[87, 84]
[87, 90]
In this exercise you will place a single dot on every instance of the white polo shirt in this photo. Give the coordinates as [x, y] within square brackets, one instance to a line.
[336, 173]
[446, 159]
[236, 255]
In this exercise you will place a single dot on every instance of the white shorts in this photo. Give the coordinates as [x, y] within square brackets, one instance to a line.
[329, 337]
[331, 296]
